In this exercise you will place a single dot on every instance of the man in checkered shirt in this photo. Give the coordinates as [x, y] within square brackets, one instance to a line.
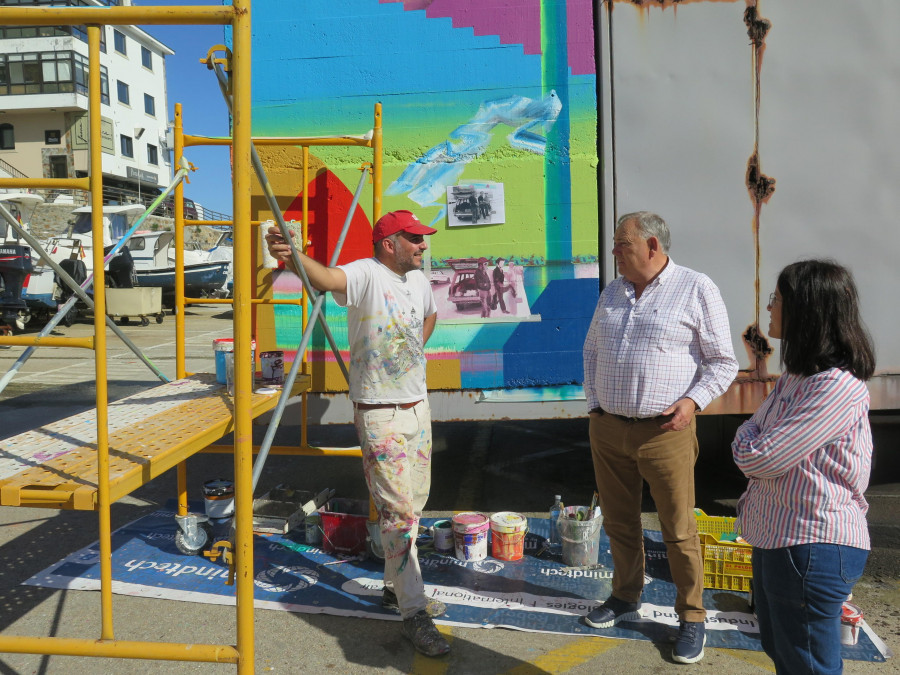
[658, 350]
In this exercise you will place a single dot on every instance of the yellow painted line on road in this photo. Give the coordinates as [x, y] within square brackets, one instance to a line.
[758, 659]
[426, 665]
[562, 660]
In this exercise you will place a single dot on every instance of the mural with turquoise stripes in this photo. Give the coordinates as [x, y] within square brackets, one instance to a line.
[474, 94]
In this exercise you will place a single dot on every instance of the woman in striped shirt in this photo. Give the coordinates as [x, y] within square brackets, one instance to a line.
[807, 453]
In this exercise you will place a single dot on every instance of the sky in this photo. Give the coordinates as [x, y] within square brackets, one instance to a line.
[203, 109]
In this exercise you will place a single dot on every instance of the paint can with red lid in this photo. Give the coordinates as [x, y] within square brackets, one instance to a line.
[851, 622]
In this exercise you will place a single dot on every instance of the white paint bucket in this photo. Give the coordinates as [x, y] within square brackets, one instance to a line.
[218, 498]
[470, 535]
[443, 536]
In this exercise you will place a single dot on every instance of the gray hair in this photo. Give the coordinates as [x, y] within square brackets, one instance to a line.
[649, 225]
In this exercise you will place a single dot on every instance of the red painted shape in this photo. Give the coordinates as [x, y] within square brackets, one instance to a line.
[329, 201]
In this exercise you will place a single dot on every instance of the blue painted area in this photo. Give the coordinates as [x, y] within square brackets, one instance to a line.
[537, 592]
[550, 351]
[345, 56]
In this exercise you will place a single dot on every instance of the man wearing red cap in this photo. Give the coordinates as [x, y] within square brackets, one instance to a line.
[391, 313]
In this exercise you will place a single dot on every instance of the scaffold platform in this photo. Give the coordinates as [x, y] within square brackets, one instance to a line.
[55, 466]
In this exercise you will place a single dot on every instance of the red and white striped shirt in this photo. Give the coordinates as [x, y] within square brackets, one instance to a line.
[641, 355]
[808, 453]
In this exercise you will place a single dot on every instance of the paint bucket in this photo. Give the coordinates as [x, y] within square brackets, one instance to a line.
[218, 498]
[470, 535]
[851, 621]
[271, 365]
[508, 535]
[222, 346]
[580, 538]
[443, 536]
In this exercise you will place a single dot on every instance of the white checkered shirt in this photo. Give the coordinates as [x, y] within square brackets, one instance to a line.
[640, 356]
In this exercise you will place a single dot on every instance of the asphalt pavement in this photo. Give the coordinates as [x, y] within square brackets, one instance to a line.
[490, 466]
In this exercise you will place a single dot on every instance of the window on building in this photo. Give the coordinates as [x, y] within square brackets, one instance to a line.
[59, 166]
[7, 137]
[149, 105]
[152, 155]
[126, 146]
[147, 58]
[122, 92]
[48, 73]
[119, 42]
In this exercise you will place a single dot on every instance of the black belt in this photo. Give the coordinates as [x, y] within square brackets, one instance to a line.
[378, 406]
[632, 420]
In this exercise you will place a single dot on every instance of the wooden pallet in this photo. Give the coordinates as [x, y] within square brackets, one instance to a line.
[55, 466]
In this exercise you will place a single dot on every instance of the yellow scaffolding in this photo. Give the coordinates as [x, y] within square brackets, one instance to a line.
[107, 466]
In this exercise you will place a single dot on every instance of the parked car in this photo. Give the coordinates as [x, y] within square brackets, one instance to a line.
[463, 290]
[167, 208]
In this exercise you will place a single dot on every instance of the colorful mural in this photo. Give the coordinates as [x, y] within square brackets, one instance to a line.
[499, 94]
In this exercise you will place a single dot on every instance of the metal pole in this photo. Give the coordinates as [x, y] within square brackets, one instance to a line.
[100, 366]
[243, 377]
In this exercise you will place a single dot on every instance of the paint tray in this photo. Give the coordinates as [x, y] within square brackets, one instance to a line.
[283, 508]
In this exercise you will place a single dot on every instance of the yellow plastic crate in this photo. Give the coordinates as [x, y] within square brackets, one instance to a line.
[726, 564]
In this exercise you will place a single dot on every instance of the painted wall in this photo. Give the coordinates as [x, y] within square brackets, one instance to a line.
[763, 132]
[496, 96]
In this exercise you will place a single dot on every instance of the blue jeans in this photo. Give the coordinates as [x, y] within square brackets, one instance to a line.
[799, 592]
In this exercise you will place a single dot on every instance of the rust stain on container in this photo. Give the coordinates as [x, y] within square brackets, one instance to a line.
[760, 188]
[758, 351]
[664, 4]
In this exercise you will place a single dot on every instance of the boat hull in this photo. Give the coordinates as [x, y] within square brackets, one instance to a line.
[199, 280]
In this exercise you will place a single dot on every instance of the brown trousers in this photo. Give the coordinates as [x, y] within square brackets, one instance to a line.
[625, 454]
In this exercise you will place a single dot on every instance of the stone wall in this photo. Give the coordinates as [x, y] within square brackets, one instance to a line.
[50, 220]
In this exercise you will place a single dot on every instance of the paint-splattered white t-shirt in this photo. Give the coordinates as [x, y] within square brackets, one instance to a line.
[385, 318]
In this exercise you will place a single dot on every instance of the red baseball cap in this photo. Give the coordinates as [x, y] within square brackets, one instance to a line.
[398, 221]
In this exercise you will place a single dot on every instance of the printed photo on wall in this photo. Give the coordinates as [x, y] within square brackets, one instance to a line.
[475, 203]
[480, 289]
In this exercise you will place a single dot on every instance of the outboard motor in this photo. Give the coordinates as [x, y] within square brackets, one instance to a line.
[76, 269]
[121, 269]
[15, 266]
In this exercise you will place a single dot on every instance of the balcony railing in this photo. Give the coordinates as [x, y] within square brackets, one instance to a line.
[113, 195]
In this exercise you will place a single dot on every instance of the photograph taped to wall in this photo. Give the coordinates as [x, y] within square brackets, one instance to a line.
[481, 289]
[475, 203]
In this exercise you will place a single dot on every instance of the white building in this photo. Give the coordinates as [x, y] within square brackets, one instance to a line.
[44, 102]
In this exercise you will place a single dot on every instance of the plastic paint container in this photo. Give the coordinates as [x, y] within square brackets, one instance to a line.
[218, 498]
[443, 536]
[508, 535]
[470, 535]
[580, 538]
[851, 621]
[271, 365]
[222, 346]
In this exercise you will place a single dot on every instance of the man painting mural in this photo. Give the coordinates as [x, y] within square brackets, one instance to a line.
[657, 351]
[390, 316]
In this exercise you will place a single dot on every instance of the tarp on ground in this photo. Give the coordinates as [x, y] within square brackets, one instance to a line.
[537, 593]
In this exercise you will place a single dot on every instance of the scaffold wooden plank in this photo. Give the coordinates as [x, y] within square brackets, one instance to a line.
[150, 432]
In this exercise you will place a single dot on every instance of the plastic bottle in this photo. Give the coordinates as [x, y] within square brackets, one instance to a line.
[555, 510]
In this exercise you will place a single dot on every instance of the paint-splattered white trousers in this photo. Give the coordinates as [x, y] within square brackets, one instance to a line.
[396, 451]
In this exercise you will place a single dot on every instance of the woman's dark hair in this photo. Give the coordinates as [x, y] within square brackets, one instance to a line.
[820, 323]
